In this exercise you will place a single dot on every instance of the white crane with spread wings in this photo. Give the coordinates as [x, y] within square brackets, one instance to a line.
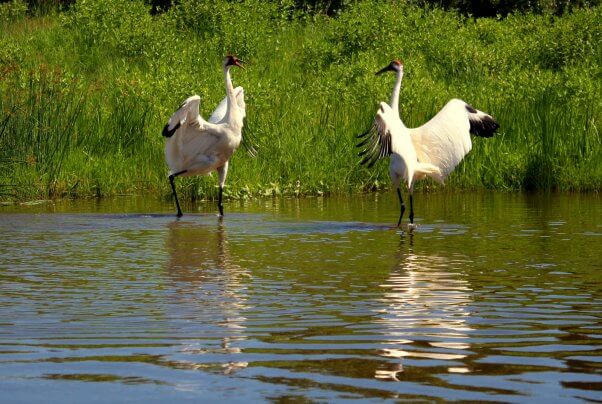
[433, 149]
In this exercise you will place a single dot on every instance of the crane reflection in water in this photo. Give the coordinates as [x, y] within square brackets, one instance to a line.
[211, 291]
[424, 312]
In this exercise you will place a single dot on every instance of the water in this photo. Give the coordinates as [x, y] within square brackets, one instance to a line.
[493, 297]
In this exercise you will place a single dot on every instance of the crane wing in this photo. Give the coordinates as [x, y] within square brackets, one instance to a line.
[249, 141]
[219, 115]
[189, 136]
[377, 142]
[187, 113]
[445, 139]
[220, 112]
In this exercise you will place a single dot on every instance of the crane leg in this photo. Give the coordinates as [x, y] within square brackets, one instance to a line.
[222, 172]
[403, 206]
[173, 190]
[411, 210]
[219, 201]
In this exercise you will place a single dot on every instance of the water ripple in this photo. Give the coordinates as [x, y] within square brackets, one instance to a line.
[289, 304]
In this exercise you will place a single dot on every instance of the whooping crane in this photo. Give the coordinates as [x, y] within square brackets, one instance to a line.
[433, 149]
[195, 146]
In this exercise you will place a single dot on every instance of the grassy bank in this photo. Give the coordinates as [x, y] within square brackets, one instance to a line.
[84, 94]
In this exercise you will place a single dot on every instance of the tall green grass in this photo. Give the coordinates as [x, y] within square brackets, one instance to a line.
[84, 94]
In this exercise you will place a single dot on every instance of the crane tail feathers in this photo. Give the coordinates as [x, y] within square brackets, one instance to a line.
[430, 170]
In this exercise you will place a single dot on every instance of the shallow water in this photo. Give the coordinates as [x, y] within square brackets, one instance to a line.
[493, 297]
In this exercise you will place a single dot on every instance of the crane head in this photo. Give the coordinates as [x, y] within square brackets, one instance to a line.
[395, 66]
[232, 60]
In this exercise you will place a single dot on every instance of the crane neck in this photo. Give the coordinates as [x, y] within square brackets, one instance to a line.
[395, 95]
[231, 104]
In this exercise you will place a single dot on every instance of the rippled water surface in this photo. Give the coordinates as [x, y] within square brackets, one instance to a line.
[493, 297]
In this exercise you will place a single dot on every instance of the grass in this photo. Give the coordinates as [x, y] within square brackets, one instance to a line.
[84, 95]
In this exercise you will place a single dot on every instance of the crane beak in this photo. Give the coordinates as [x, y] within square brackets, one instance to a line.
[384, 70]
[238, 62]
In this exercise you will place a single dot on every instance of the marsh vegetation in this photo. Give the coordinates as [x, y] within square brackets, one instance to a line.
[85, 91]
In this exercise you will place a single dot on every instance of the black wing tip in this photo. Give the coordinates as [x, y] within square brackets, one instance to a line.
[376, 149]
[372, 163]
[360, 154]
[470, 108]
[252, 151]
[484, 126]
[481, 125]
[365, 160]
[169, 133]
[363, 142]
[249, 141]
[361, 135]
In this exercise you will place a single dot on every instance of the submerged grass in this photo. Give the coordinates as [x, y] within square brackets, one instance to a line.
[84, 95]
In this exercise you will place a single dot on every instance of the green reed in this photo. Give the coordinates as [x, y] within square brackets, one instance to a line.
[84, 95]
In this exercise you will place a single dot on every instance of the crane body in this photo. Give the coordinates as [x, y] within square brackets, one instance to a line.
[195, 146]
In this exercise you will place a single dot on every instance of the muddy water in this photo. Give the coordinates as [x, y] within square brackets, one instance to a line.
[493, 297]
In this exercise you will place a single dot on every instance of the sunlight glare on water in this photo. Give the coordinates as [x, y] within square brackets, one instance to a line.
[492, 297]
